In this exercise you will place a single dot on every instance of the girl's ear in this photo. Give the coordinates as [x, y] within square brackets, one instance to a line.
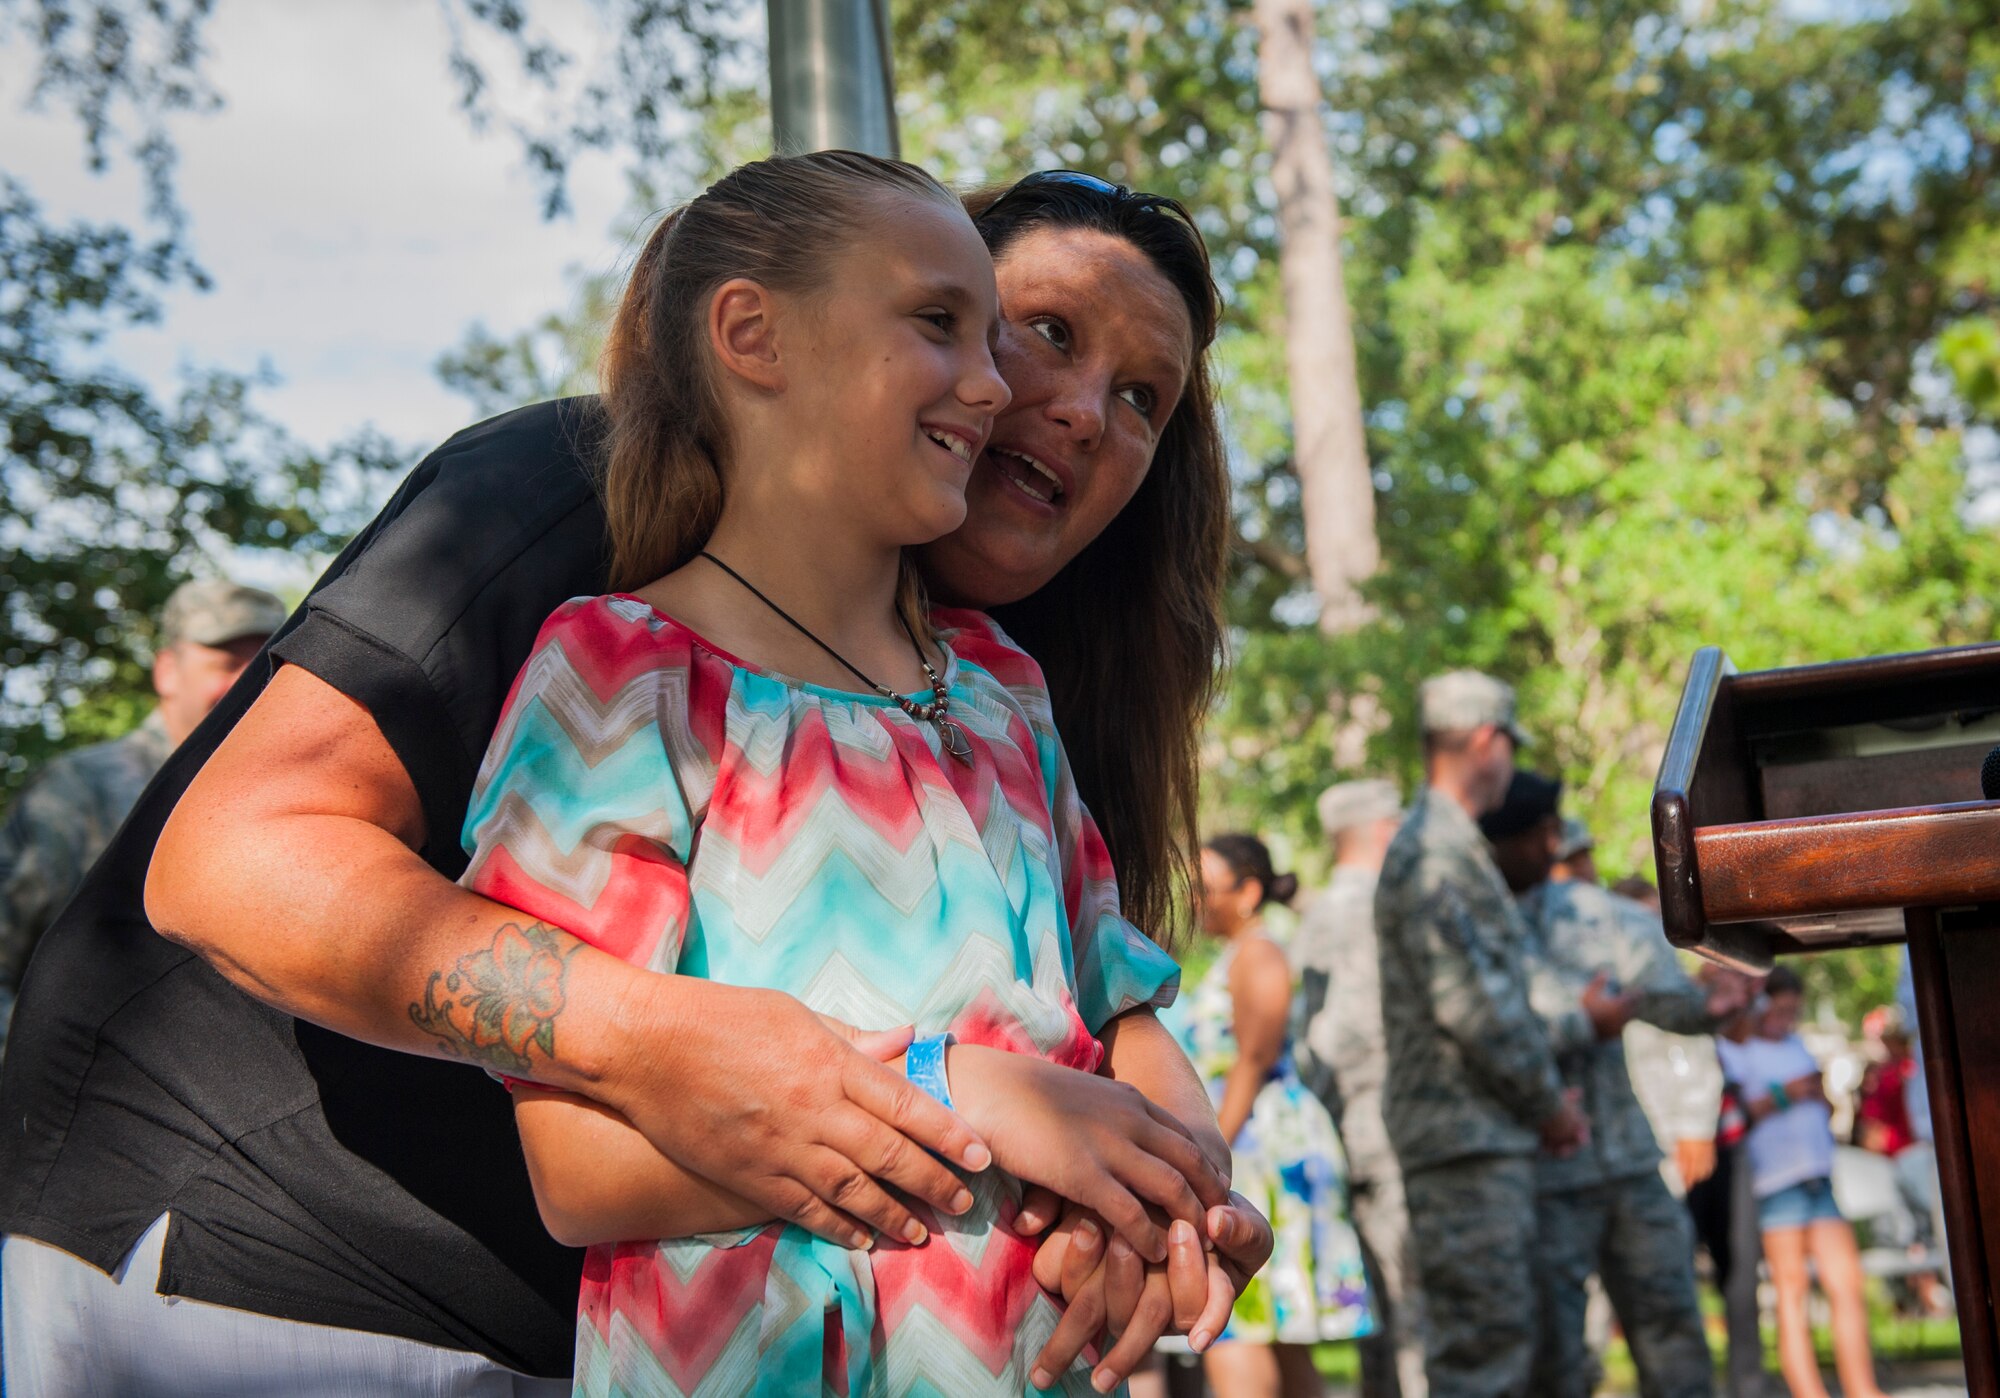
[743, 333]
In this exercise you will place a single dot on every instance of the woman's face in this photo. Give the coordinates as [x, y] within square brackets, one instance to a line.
[1097, 347]
[1226, 901]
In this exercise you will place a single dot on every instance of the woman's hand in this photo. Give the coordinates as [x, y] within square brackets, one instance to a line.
[1091, 1140]
[800, 1119]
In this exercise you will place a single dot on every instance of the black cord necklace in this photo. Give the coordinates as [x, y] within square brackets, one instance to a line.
[950, 735]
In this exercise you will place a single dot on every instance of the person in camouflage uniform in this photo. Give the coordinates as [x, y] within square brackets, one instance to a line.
[1471, 1090]
[1605, 1208]
[1341, 1057]
[68, 812]
[1576, 854]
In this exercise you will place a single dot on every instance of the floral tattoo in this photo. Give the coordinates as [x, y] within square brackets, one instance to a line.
[510, 995]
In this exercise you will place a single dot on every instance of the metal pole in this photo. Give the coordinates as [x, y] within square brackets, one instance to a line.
[831, 88]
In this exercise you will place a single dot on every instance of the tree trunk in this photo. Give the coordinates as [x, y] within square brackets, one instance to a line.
[1331, 452]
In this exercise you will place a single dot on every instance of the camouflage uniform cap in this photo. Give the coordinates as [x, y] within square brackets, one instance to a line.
[215, 611]
[1462, 700]
[1348, 804]
[1575, 839]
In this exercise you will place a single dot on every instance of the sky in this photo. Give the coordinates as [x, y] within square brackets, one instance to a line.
[352, 220]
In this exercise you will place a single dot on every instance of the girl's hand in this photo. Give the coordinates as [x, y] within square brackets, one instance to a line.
[1243, 1243]
[1192, 1294]
[1118, 1293]
[1091, 1140]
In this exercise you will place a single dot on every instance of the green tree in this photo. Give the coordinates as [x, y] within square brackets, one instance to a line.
[110, 495]
[1652, 307]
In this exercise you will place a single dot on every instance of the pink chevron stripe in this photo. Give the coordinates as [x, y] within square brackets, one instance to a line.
[685, 1325]
[985, 1305]
[609, 652]
[644, 901]
[979, 640]
[762, 811]
[1009, 765]
[987, 1022]
[1088, 868]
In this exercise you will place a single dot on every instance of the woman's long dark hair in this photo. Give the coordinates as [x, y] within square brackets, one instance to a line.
[1130, 633]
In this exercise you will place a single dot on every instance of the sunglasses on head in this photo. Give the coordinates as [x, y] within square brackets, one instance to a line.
[1090, 184]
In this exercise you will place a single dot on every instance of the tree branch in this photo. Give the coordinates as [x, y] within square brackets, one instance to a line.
[1274, 556]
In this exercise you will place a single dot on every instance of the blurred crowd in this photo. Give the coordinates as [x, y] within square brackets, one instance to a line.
[1544, 1122]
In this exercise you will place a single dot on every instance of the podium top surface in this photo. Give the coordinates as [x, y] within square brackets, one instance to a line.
[1804, 808]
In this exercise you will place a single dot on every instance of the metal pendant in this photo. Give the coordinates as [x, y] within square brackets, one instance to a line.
[952, 738]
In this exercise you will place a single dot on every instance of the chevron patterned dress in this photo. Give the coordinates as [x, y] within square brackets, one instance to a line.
[696, 815]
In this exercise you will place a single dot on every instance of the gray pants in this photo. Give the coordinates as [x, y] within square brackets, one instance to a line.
[1636, 1236]
[1473, 1222]
[1392, 1359]
[73, 1332]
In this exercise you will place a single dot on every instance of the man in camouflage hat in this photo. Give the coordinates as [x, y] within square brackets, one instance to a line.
[1604, 1208]
[1342, 1057]
[1471, 1092]
[1576, 854]
[67, 813]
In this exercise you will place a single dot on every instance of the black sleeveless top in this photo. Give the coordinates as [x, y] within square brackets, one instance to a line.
[310, 1176]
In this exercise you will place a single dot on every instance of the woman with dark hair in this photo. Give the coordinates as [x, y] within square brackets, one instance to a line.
[1119, 570]
[354, 1203]
[1287, 1151]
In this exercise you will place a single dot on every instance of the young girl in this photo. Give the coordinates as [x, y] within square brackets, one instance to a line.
[1790, 1147]
[759, 765]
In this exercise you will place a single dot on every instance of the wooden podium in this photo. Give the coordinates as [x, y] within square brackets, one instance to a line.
[1830, 806]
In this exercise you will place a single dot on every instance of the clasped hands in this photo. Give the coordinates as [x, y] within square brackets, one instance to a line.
[1143, 1237]
[820, 1129]
[1111, 1291]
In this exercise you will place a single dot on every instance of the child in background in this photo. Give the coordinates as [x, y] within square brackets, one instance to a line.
[1790, 1148]
[762, 762]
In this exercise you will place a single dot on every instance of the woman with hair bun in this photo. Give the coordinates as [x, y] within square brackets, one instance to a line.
[1287, 1153]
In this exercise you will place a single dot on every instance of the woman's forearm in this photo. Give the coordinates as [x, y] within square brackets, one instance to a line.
[598, 1179]
[291, 865]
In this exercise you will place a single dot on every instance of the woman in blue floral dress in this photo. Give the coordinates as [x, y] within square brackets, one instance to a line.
[1288, 1157]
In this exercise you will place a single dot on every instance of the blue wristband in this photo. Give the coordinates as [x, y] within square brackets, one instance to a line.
[923, 1065]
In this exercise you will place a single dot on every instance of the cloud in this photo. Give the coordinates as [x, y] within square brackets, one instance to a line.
[353, 221]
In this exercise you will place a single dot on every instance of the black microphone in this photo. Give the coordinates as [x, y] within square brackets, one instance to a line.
[1989, 775]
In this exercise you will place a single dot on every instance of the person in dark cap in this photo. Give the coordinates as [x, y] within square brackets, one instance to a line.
[1525, 829]
[1471, 1092]
[1576, 854]
[1604, 1209]
[66, 814]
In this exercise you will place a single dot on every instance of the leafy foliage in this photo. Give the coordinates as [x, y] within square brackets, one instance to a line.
[110, 497]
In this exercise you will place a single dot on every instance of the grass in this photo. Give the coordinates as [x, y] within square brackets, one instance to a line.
[1897, 1339]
